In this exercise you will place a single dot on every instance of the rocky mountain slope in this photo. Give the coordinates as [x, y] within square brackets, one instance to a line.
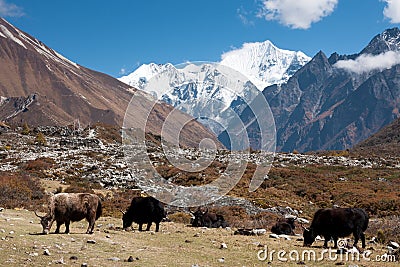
[41, 87]
[384, 143]
[336, 102]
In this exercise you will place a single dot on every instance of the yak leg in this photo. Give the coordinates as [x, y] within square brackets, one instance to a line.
[58, 227]
[357, 234]
[157, 226]
[335, 239]
[327, 238]
[91, 225]
[140, 227]
[67, 227]
[148, 226]
[362, 239]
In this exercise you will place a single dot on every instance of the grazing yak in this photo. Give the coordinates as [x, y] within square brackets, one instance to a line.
[208, 219]
[144, 210]
[71, 207]
[284, 226]
[335, 223]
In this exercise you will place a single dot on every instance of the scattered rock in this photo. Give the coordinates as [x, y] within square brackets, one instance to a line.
[60, 261]
[274, 236]
[221, 260]
[245, 231]
[132, 259]
[34, 254]
[394, 245]
[223, 246]
[46, 252]
[73, 258]
[91, 241]
[114, 259]
[188, 241]
[1, 209]
[108, 236]
[84, 264]
[260, 231]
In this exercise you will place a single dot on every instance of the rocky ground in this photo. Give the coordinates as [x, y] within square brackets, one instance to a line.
[298, 184]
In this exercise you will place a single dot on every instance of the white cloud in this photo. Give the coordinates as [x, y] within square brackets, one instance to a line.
[392, 10]
[10, 10]
[297, 14]
[366, 63]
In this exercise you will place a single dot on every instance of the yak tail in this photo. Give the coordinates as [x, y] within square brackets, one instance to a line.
[99, 210]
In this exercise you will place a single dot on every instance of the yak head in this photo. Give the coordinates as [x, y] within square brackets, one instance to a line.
[127, 220]
[308, 236]
[197, 220]
[46, 222]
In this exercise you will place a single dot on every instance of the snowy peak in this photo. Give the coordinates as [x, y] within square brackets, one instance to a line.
[388, 40]
[144, 73]
[263, 63]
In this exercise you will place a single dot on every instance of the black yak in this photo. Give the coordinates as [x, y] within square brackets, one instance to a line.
[208, 219]
[284, 226]
[335, 223]
[144, 210]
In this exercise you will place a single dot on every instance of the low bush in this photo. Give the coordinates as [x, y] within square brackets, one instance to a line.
[20, 191]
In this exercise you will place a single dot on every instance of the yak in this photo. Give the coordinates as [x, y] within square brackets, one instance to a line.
[284, 226]
[144, 210]
[208, 219]
[71, 207]
[337, 222]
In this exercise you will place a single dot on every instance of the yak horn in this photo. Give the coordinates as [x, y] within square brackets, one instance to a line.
[38, 215]
[306, 229]
[205, 211]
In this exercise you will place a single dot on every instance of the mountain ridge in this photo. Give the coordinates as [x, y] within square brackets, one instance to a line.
[60, 91]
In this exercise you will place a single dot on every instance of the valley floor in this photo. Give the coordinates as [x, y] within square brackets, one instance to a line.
[21, 244]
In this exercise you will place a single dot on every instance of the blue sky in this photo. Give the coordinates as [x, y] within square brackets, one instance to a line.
[116, 36]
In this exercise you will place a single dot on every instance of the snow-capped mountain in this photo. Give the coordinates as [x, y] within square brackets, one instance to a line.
[144, 73]
[204, 90]
[217, 90]
[264, 64]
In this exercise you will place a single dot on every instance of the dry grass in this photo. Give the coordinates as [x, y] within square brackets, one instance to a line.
[175, 245]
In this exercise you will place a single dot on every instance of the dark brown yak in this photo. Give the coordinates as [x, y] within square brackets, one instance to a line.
[67, 207]
[335, 223]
